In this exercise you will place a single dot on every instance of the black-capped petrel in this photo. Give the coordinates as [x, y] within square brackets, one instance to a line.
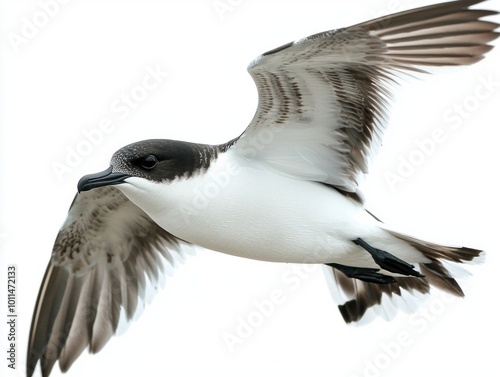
[286, 190]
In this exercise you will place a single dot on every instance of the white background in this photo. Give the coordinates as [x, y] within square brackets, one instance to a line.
[64, 80]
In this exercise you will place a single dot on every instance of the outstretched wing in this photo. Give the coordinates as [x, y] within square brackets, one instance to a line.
[105, 255]
[322, 99]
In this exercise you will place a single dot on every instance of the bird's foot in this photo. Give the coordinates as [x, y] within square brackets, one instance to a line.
[370, 275]
[388, 261]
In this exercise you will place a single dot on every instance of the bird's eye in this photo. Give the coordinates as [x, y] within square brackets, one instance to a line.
[149, 162]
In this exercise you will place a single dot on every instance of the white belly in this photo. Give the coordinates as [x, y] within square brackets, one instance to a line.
[254, 213]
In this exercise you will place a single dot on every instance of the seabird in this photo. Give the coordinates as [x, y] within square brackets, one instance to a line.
[286, 190]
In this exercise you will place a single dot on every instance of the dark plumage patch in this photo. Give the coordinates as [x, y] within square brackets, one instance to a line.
[370, 275]
[175, 159]
[277, 49]
[388, 261]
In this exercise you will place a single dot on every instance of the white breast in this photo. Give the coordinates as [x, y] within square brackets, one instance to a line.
[244, 209]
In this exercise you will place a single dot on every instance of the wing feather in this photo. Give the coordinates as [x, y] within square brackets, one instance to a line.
[323, 99]
[105, 256]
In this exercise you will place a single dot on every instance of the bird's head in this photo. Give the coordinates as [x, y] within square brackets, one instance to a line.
[154, 160]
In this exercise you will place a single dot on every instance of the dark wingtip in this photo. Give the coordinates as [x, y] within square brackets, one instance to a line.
[352, 311]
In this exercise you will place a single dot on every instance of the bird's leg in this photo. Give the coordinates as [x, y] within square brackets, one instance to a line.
[388, 261]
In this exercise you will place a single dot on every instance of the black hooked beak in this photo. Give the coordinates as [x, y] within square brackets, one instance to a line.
[104, 178]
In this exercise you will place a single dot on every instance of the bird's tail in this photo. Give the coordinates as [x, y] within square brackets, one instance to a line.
[361, 301]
